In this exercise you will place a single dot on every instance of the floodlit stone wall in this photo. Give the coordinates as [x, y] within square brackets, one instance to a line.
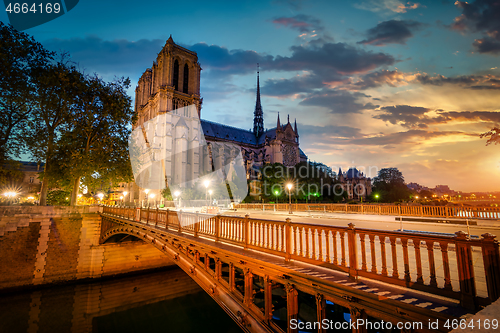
[44, 245]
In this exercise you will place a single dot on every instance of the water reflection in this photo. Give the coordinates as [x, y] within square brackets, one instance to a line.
[167, 301]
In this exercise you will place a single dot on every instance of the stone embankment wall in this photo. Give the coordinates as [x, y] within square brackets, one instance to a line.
[43, 245]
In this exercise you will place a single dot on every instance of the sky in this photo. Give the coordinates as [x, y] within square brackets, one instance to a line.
[372, 84]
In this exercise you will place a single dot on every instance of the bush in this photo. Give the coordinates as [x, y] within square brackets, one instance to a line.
[58, 198]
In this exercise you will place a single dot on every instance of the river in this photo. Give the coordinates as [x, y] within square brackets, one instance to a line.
[165, 301]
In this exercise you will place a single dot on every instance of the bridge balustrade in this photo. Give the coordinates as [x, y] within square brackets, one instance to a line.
[488, 213]
[420, 261]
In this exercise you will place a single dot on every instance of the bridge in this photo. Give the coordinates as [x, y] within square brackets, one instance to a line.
[267, 274]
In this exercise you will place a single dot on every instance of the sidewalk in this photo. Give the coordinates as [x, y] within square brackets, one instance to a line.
[377, 218]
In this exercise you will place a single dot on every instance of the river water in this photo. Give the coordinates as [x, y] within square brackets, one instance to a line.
[166, 301]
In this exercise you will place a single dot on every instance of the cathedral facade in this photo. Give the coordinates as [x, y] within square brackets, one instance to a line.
[169, 94]
[355, 184]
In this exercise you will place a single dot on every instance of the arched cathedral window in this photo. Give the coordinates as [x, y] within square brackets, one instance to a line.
[176, 75]
[185, 84]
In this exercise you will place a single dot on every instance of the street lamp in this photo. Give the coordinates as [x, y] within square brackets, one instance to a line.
[289, 186]
[376, 197]
[210, 192]
[147, 198]
[176, 194]
[152, 197]
[207, 183]
[124, 196]
[276, 193]
[100, 196]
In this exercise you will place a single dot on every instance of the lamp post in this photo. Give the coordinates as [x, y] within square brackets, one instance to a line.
[152, 197]
[100, 196]
[276, 193]
[124, 196]
[210, 192]
[147, 197]
[376, 196]
[207, 183]
[289, 186]
[176, 194]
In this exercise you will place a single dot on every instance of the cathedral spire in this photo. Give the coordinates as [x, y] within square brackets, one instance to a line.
[295, 129]
[258, 116]
[278, 125]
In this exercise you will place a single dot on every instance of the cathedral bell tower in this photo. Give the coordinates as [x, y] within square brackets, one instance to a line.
[171, 83]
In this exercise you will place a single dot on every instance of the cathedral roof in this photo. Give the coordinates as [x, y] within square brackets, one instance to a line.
[225, 132]
[353, 173]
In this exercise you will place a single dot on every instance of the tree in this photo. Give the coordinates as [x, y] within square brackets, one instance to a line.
[56, 85]
[20, 57]
[390, 185]
[97, 142]
[493, 136]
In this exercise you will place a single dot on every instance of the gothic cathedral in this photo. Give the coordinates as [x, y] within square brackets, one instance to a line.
[173, 82]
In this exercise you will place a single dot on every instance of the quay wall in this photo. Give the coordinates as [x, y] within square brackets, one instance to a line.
[46, 245]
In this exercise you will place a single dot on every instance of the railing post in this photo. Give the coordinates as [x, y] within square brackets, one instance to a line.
[292, 304]
[353, 251]
[217, 228]
[248, 296]
[247, 231]
[166, 219]
[179, 220]
[196, 225]
[156, 217]
[491, 260]
[147, 216]
[288, 253]
[465, 271]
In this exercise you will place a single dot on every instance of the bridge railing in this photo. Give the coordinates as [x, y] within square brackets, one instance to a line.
[456, 266]
[490, 213]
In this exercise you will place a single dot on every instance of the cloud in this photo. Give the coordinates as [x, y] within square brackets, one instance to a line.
[487, 45]
[378, 78]
[338, 101]
[411, 136]
[306, 83]
[383, 6]
[313, 132]
[302, 23]
[222, 61]
[477, 82]
[120, 56]
[340, 57]
[485, 116]
[480, 16]
[405, 115]
[416, 117]
[391, 32]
